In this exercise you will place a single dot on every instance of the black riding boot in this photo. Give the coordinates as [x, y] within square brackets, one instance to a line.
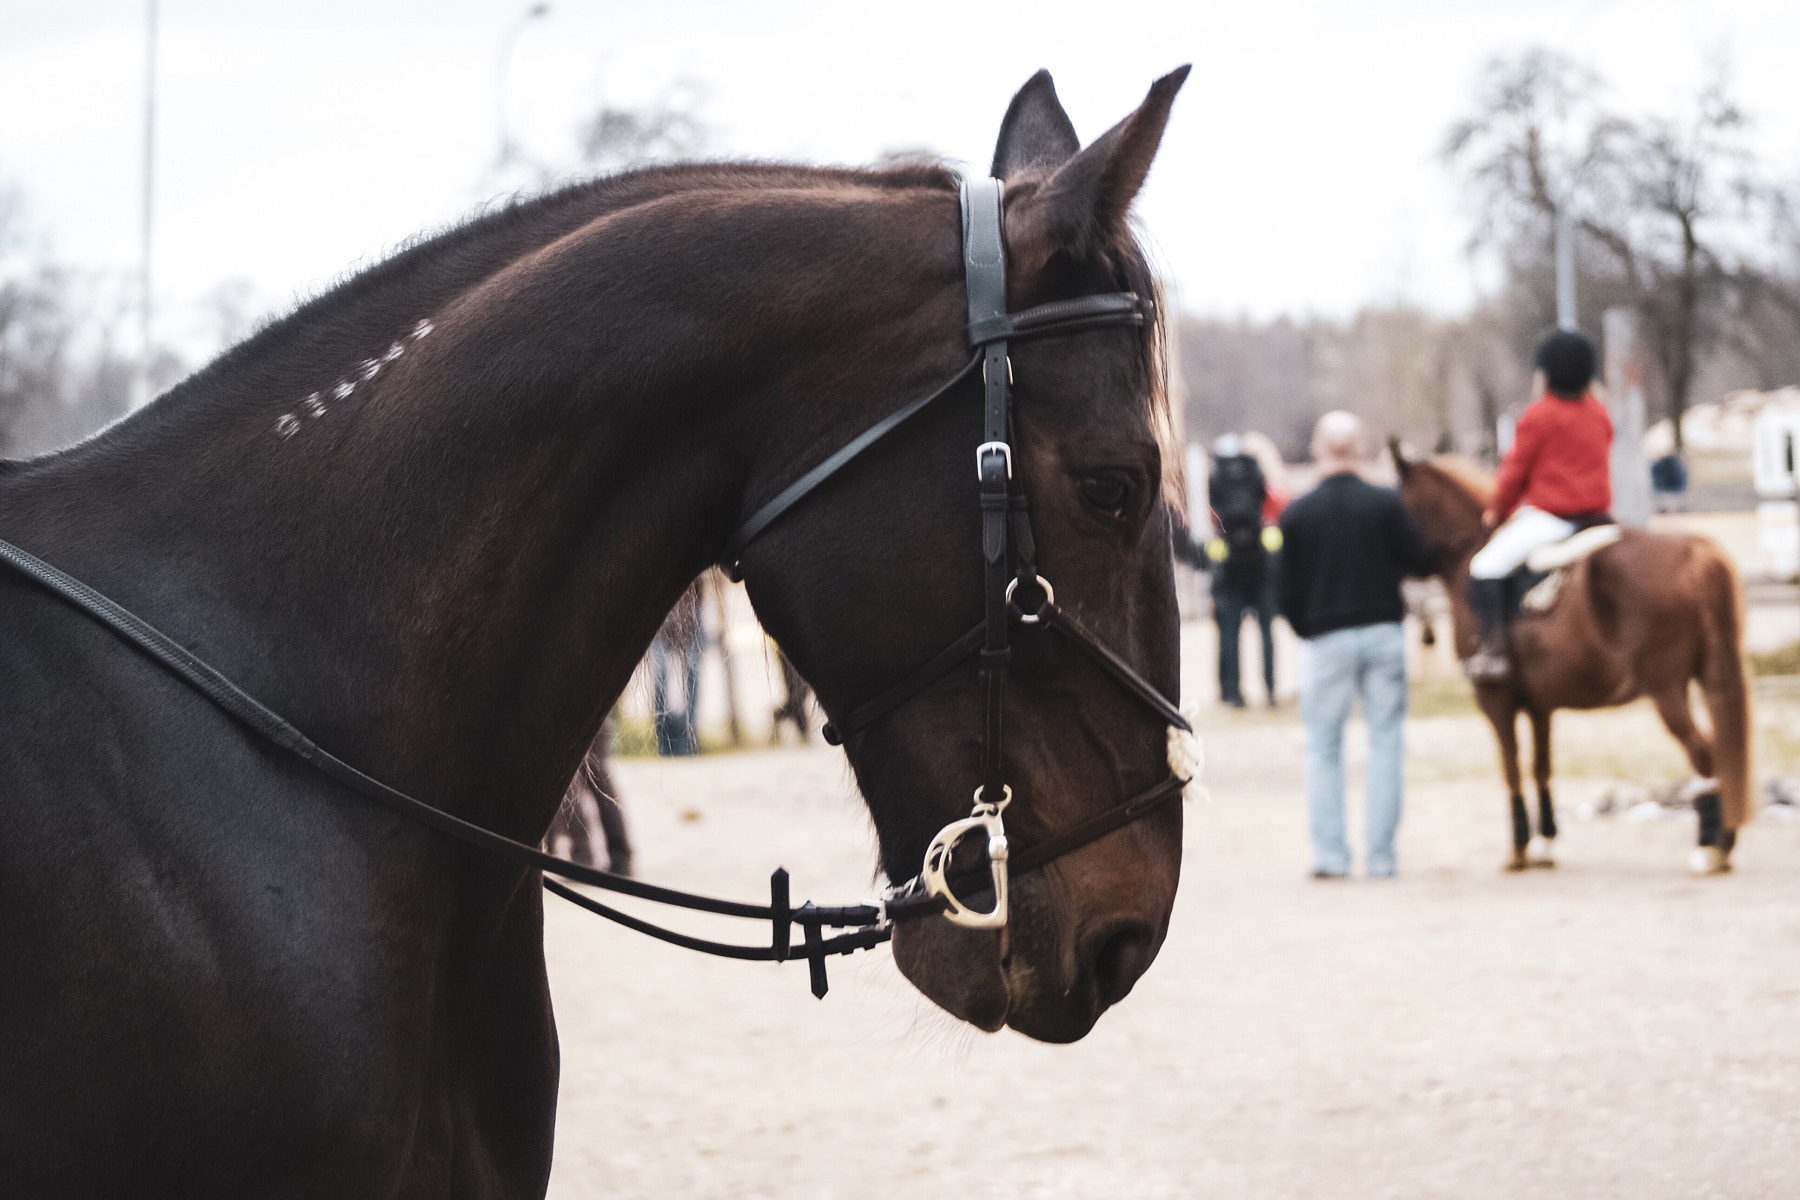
[1488, 597]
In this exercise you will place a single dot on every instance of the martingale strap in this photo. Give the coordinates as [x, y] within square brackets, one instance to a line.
[1008, 553]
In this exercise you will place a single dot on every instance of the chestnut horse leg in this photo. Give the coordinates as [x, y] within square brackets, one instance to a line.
[1727, 695]
[1503, 713]
[1541, 851]
[1709, 856]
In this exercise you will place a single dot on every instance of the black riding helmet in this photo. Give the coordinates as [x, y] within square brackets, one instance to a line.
[1568, 362]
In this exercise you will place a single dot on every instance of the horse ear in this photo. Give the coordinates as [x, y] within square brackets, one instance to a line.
[1035, 132]
[1083, 206]
[1402, 463]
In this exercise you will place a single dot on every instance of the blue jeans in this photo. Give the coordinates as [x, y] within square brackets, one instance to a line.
[1369, 660]
[677, 732]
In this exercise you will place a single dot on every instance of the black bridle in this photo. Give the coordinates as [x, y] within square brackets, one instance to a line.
[1011, 588]
[1013, 591]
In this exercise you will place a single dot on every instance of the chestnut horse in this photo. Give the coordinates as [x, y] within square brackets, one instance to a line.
[434, 518]
[1646, 616]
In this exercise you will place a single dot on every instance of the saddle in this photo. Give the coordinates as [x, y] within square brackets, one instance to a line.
[1536, 585]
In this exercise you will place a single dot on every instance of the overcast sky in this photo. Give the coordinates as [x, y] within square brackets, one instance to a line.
[297, 141]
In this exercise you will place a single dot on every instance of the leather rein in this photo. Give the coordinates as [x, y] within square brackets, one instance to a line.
[1013, 590]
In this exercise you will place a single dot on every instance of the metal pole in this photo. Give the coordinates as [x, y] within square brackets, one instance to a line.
[1565, 269]
[140, 389]
[1625, 401]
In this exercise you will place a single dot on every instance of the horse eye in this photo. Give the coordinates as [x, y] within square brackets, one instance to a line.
[1109, 495]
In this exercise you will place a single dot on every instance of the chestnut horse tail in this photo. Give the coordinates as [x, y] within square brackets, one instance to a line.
[1725, 685]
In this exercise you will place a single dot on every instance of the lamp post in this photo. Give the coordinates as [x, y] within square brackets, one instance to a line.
[508, 41]
[1565, 269]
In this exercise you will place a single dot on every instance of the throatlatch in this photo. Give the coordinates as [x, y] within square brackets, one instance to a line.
[1013, 591]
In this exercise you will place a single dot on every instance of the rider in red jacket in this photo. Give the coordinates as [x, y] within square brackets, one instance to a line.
[1556, 478]
[1560, 460]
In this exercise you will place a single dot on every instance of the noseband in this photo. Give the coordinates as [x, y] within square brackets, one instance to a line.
[1012, 590]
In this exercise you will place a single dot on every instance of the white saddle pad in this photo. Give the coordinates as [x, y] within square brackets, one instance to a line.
[1572, 549]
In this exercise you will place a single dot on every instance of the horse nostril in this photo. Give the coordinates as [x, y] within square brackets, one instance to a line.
[1117, 955]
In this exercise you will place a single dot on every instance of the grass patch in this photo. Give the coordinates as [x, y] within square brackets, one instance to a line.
[1440, 698]
[1784, 660]
[635, 737]
[1620, 743]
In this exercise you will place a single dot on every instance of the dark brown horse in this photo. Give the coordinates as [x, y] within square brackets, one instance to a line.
[434, 517]
[1649, 615]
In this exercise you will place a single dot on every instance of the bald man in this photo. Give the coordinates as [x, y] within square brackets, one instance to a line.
[1347, 544]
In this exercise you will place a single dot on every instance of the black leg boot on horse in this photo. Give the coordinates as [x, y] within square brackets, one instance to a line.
[1490, 663]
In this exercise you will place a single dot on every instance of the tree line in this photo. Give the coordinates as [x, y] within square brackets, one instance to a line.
[67, 360]
[58, 381]
[1674, 218]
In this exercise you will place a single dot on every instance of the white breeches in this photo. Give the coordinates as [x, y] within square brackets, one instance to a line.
[1513, 542]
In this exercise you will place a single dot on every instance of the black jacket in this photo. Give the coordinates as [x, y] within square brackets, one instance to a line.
[1345, 547]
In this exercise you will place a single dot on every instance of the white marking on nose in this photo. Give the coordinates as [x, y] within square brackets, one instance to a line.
[287, 425]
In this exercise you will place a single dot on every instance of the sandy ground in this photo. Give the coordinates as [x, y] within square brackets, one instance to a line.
[1610, 1028]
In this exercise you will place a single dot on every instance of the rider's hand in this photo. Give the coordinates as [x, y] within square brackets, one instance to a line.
[1489, 518]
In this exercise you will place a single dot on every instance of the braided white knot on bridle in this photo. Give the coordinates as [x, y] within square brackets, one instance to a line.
[1187, 753]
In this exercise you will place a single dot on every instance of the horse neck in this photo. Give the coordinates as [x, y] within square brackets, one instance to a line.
[448, 574]
[1458, 515]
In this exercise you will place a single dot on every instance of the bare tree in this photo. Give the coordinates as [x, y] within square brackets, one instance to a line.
[61, 375]
[1536, 142]
[1655, 200]
[671, 127]
[1686, 179]
[33, 331]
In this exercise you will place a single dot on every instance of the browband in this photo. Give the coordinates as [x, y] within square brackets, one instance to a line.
[1060, 316]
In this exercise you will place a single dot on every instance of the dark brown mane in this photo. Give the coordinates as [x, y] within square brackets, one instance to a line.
[467, 253]
[358, 315]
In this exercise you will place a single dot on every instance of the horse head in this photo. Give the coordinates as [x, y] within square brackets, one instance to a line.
[884, 567]
[1446, 496]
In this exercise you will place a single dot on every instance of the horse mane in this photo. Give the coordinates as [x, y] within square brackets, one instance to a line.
[324, 333]
[555, 212]
[1464, 473]
[1135, 275]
